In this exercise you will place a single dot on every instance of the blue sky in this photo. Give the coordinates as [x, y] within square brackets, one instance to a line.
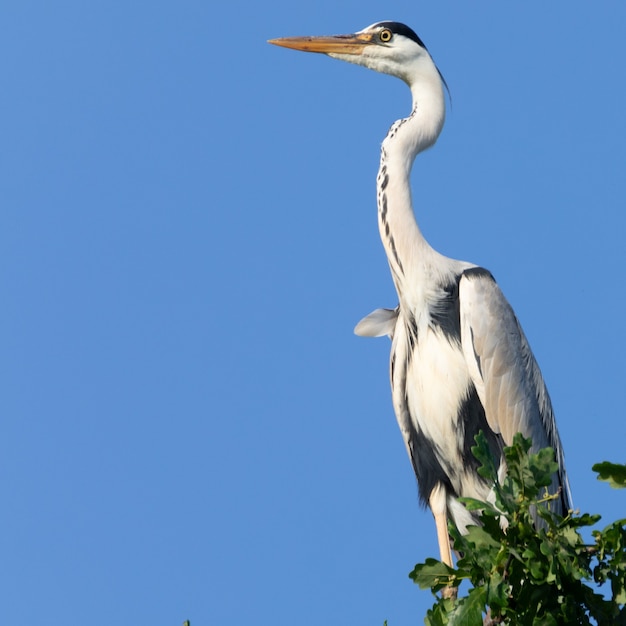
[190, 430]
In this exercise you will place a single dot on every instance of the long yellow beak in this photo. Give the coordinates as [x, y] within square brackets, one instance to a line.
[340, 44]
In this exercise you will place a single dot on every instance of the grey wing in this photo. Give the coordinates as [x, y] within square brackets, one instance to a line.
[504, 371]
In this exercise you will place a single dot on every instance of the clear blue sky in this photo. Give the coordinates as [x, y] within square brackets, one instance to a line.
[189, 428]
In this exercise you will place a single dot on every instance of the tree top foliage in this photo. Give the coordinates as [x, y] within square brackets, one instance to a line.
[519, 575]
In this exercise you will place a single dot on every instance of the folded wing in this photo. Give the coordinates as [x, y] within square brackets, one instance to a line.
[504, 371]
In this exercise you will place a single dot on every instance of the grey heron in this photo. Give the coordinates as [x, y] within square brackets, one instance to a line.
[460, 362]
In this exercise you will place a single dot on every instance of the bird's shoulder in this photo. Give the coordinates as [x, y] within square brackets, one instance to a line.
[481, 298]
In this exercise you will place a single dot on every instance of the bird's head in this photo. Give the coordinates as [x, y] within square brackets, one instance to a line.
[388, 47]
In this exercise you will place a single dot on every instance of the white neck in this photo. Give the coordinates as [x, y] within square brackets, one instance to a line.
[407, 250]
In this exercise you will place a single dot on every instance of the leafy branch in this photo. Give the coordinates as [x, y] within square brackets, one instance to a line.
[520, 575]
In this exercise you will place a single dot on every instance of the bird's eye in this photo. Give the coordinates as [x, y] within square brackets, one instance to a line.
[385, 35]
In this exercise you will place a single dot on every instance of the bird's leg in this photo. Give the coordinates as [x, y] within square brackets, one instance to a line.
[437, 502]
[441, 522]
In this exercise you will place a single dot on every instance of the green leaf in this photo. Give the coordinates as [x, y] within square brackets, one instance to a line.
[478, 536]
[537, 570]
[472, 504]
[583, 520]
[483, 454]
[613, 473]
[432, 573]
[547, 548]
[469, 610]
[519, 441]
[619, 593]
[543, 466]
[437, 615]
[497, 592]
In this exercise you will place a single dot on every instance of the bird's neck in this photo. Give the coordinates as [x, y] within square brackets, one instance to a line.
[407, 250]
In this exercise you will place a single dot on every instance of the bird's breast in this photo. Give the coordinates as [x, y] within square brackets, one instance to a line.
[433, 392]
[437, 383]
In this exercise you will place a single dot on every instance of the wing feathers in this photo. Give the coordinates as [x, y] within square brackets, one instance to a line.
[503, 368]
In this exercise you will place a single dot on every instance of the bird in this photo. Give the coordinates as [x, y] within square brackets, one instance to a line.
[460, 362]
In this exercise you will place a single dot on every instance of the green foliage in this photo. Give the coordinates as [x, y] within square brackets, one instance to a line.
[524, 576]
[611, 472]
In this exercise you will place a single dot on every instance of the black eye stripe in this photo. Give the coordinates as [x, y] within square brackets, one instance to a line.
[398, 28]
